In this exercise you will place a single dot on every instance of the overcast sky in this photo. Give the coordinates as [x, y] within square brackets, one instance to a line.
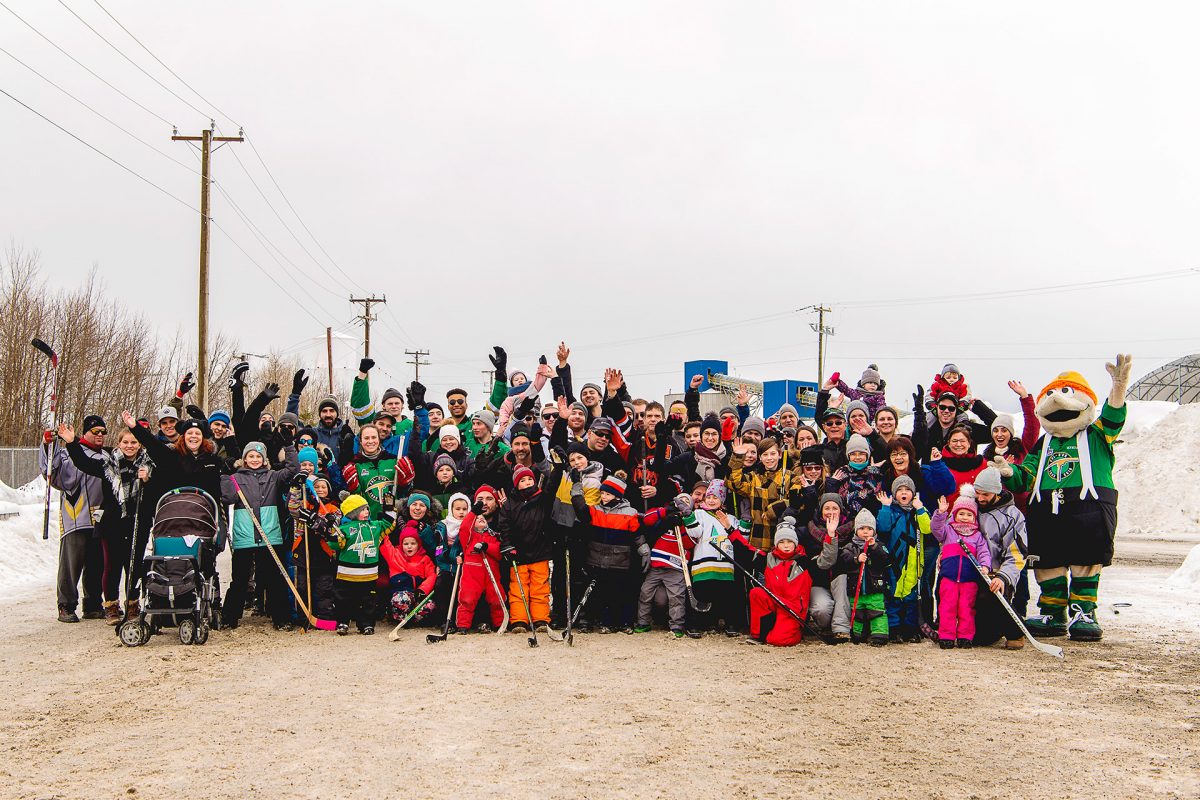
[623, 175]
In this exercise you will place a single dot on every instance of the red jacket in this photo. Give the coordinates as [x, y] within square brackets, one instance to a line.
[468, 537]
[420, 566]
[963, 468]
[788, 580]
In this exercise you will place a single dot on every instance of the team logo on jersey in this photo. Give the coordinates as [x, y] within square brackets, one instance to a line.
[1060, 465]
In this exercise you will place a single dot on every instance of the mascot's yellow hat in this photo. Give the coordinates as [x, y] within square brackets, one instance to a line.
[1072, 379]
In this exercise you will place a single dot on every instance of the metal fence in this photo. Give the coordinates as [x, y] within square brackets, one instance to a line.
[18, 465]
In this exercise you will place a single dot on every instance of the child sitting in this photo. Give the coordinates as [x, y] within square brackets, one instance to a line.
[829, 529]
[958, 532]
[869, 390]
[356, 542]
[787, 578]
[412, 572]
[902, 524]
[868, 559]
[950, 381]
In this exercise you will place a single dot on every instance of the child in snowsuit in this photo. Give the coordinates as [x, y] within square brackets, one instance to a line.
[867, 557]
[481, 570]
[958, 533]
[524, 521]
[412, 573]
[442, 545]
[858, 482]
[669, 557]
[316, 521]
[950, 381]
[788, 579]
[869, 390]
[713, 578]
[356, 541]
[902, 524]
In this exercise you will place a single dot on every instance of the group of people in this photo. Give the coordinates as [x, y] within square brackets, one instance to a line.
[595, 509]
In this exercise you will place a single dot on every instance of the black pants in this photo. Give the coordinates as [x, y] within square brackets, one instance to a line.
[80, 556]
[558, 582]
[355, 600]
[728, 603]
[614, 600]
[259, 561]
[991, 620]
[115, 546]
[442, 589]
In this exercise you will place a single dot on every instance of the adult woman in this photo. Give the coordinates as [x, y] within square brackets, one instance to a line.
[190, 461]
[933, 480]
[886, 420]
[960, 458]
[371, 472]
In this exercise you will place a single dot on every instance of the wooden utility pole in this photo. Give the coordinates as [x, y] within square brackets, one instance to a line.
[367, 317]
[822, 332]
[206, 139]
[417, 362]
[329, 355]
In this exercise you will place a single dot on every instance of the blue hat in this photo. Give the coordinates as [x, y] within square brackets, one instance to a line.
[220, 415]
[308, 454]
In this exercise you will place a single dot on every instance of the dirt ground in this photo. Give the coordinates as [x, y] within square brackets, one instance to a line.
[256, 713]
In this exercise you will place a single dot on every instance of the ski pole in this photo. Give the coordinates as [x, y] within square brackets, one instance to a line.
[450, 609]
[583, 600]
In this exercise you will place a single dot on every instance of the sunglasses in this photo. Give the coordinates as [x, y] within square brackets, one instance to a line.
[834, 422]
[549, 417]
[98, 432]
[306, 441]
[947, 408]
[640, 415]
[603, 434]
[456, 402]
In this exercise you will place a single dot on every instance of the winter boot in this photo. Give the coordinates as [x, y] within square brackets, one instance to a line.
[131, 610]
[95, 613]
[67, 615]
[1083, 626]
[112, 612]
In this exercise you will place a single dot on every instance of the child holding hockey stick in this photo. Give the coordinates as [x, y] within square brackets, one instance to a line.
[481, 570]
[865, 557]
[412, 573]
[713, 577]
[958, 588]
[356, 542]
[787, 580]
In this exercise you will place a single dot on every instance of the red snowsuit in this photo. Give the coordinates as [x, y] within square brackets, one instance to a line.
[420, 568]
[475, 582]
[787, 578]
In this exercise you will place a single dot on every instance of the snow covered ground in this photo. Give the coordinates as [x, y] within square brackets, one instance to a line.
[26, 560]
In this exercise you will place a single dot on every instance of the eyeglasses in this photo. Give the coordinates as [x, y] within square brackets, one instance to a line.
[462, 402]
[98, 432]
[947, 408]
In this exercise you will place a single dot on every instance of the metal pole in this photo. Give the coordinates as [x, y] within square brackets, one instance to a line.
[329, 355]
[202, 357]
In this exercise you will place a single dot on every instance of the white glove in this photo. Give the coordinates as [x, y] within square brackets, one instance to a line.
[1003, 467]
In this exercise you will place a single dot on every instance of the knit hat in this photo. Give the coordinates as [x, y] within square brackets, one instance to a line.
[579, 406]
[451, 430]
[595, 386]
[93, 421]
[220, 415]
[578, 447]
[989, 481]
[445, 460]
[288, 418]
[711, 422]
[308, 454]
[614, 486]
[257, 447]
[786, 407]
[602, 425]
[903, 482]
[520, 430]
[857, 444]
[418, 497]
[965, 502]
[870, 375]
[786, 531]
[328, 401]
[199, 425]
[389, 393]
[167, 412]
[410, 531]
[832, 411]
[519, 473]
[486, 417]
[813, 454]
[754, 424]
[1072, 379]
[950, 368]
[857, 405]
[1003, 421]
[864, 519]
[482, 490]
[352, 503]
[727, 410]
[431, 406]
[830, 497]
[716, 488]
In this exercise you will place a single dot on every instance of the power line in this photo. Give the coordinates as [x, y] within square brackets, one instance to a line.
[164, 120]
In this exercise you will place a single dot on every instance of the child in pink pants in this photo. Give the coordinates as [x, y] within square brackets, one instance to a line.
[958, 532]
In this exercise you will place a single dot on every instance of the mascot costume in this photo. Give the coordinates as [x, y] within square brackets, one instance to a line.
[1072, 517]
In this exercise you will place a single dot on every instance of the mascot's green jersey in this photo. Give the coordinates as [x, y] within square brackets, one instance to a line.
[1057, 462]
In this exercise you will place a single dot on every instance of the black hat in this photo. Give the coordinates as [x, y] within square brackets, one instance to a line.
[93, 421]
[710, 422]
[814, 454]
[188, 424]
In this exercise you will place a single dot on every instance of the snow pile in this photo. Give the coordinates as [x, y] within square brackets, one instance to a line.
[1143, 415]
[1157, 473]
[1188, 574]
[25, 558]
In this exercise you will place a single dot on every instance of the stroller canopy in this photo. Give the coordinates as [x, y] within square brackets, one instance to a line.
[186, 511]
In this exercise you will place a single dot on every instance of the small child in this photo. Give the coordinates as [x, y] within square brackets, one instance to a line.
[412, 573]
[713, 577]
[316, 519]
[870, 390]
[952, 381]
[356, 542]
[669, 557]
[481, 570]
[903, 522]
[523, 518]
[867, 556]
[788, 578]
[443, 547]
[958, 533]
[859, 482]
[829, 529]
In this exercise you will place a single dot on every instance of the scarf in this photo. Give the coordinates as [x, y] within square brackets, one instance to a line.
[707, 461]
[121, 474]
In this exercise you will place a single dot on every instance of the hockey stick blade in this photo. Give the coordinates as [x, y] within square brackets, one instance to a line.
[46, 350]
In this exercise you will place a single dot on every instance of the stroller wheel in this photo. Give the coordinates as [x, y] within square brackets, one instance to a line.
[133, 633]
[201, 635]
[187, 631]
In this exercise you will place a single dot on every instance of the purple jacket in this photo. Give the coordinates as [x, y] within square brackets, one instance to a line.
[874, 400]
[953, 542]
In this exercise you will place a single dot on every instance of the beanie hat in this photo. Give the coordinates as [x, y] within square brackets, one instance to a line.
[613, 485]
[903, 482]
[786, 531]
[220, 415]
[857, 444]
[727, 410]
[328, 401]
[431, 406]
[857, 405]
[813, 454]
[755, 424]
[711, 422]
[199, 425]
[785, 408]
[410, 531]
[167, 412]
[579, 406]
[444, 460]
[1072, 379]
[257, 447]
[519, 473]
[830, 497]
[484, 489]
[989, 481]
[578, 447]
[1003, 421]
[389, 393]
[595, 386]
[520, 430]
[486, 417]
[451, 430]
[288, 418]
[950, 368]
[418, 497]
[865, 519]
[352, 503]
[308, 454]
[965, 502]
[716, 488]
[870, 375]
[93, 421]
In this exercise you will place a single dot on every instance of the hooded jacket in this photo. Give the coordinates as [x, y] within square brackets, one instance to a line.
[523, 521]
[264, 489]
[1003, 525]
[82, 495]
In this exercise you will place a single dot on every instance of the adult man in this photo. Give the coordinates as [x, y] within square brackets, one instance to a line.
[482, 424]
[80, 554]
[363, 409]
[930, 434]
[168, 418]
[329, 424]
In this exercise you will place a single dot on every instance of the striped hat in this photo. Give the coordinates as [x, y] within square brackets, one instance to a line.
[614, 486]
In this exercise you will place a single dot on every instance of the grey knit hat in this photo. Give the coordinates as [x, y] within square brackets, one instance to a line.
[786, 531]
[857, 444]
[578, 405]
[951, 368]
[288, 418]
[754, 424]
[870, 375]
[830, 497]
[989, 481]
[444, 460]
[857, 405]
[727, 410]
[1004, 421]
[786, 407]
[903, 482]
[595, 386]
[389, 393]
[486, 417]
[328, 401]
[865, 519]
[256, 447]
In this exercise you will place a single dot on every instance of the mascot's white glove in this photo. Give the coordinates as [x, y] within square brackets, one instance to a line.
[1003, 467]
[1120, 379]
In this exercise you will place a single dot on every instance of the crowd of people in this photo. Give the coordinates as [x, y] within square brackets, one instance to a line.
[596, 508]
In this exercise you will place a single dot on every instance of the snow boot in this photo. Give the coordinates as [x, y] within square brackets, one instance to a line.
[1083, 626]
[132, 610]
[343, 629]
[112, 612]
[95, 613]
[946, 644]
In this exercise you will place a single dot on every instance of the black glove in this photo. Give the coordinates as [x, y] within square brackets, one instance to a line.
[299, 381]
[574, 475]
[394, 538]
[674, 423]
[542, 359]
[525, 409]
[299, 480]
[535, 432]
[324, 455]
[500, 363]
[919, 400]
[195, 412]
[266, 427]
[345, 445]
[271, 392]
[237, 377]
[364, 366]
[480, 547]
[305, 515]
[661, 430]
[558, 451]
[477, 508]
[417, 393]
[508, 551]
[186, 385]
[673, 517]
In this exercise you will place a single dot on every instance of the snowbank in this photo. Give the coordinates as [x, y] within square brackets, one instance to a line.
[1188, 574]
[1157, 472]
[25, 558]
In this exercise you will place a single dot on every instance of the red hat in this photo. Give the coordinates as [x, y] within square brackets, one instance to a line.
[411, 531]
[519, 473]
[484, 489]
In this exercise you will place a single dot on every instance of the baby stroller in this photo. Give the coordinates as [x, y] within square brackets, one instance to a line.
[180, 586]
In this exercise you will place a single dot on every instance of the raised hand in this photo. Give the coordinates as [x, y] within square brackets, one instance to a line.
[935, 454]
[743, 396]
[238, 376]
[364, 365]
[186, 384]
[66, 432]
[128, 420]
[271, 392]
[696, 381]
[299, 381]
[1018, 389]
[739, 447]
[1002, 466]
[417, 390]
[883, 499]
[563, 354]
[943, 504]
[545, 370]
[919, 399]
[499, 360]
[612, 381]
[1120, 379]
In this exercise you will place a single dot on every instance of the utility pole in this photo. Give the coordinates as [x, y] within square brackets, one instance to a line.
[417, 362]
[822, 331]
[329, 355]
[367, 317]
[206, 140]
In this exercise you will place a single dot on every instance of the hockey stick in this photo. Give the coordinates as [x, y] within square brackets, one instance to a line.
[395, 634]
[499, 594]
[1048, 649]
[323, 624]
[568, 637]
[754, 579]
[687, 574]
[49, 353]
[450, 609]
[583, 601]
[857, 589]
[533, 642]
